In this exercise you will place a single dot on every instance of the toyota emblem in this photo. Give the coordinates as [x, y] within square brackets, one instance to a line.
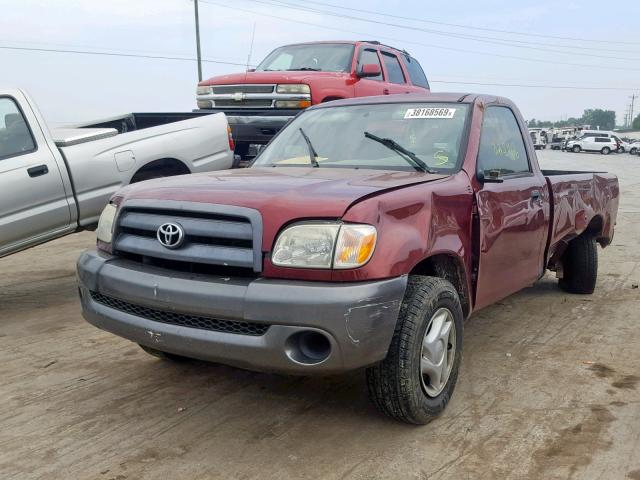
[170, 235]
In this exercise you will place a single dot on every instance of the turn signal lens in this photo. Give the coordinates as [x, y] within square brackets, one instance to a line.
[355, 246]
[203, 90]
[293, 103]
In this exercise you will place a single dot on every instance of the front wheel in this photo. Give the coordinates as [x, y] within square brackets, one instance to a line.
[576, 149]
[414, 383]
[633, 151]
[605, 151]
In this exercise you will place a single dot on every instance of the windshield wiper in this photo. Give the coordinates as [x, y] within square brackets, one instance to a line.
[312, 151]
[304, 69]
[408, 155]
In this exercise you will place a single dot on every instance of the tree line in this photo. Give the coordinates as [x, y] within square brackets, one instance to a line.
[596, 117]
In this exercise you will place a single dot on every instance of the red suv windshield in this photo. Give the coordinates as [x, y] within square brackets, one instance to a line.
[321, 57]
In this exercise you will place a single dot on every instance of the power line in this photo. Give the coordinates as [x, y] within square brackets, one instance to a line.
[411, 42]
[111, 54]
[565, 87]
[475, 38]
[457, 25]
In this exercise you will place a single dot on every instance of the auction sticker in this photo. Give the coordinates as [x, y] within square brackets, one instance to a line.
[430, 112]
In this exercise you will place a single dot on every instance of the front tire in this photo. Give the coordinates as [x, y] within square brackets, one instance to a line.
[633, 151]
[580, 265]
[576, 149]
[414, 383]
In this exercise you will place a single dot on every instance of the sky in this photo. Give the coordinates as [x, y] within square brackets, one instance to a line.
[599, 48]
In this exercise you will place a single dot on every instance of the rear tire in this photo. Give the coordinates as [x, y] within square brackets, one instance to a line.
[162, 355]
[605, 151]
[576, 149]
[580, 265]
[427, 338]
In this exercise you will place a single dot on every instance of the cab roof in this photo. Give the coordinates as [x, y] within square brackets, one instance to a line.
[439, 97]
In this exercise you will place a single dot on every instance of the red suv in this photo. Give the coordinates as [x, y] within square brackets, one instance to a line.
[297, 76]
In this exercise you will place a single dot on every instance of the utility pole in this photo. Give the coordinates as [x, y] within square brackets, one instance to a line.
[633, 99]
[195, 4]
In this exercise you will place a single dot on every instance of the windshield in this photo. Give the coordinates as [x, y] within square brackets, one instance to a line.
[395, 136]
[323, 57]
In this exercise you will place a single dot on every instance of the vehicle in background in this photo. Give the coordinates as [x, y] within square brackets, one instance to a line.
[557, 143]
[56, 182]
[362, 236]
[589, 143]
[538, 137]
[628, 146]
[293, 77]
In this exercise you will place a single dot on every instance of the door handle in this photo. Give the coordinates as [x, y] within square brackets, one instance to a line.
[38, 171]
[385, 91]
[536, 196]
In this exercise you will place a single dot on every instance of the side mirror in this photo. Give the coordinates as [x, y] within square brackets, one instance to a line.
[493, 177]
[369, 70]
[251, 69]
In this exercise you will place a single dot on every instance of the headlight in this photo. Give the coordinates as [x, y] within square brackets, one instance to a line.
[105, 224]
[203, 90]
[293, 88]
[324, 245]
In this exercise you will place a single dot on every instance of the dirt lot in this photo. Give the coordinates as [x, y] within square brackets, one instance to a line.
[549, 388]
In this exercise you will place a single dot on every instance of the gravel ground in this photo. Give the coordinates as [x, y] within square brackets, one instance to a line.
[548, 388]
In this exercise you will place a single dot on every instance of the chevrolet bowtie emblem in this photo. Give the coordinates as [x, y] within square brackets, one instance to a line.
[238, 96]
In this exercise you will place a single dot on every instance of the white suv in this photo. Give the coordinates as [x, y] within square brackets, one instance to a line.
[589, 143]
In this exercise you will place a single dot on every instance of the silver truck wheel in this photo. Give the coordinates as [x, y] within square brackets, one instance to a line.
[438, 352]
[414, 383]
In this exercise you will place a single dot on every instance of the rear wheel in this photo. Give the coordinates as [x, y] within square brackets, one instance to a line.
[576, 149]
[605, 151]
[163, 355]
[580, 265]
[414, 383]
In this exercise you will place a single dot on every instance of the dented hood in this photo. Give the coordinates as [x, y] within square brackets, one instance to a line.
[282, 194]
[292, 191]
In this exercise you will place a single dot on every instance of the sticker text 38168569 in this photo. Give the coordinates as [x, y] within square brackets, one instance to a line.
[430, 112]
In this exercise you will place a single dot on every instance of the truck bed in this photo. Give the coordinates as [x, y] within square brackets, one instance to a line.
[576, 197]
[248, 126]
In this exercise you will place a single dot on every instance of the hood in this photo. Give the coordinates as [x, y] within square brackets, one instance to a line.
[281, 194]
[269, 77]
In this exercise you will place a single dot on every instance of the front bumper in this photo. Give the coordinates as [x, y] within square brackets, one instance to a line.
[357, 319]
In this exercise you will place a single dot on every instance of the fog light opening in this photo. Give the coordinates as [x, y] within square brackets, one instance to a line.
[308, 347]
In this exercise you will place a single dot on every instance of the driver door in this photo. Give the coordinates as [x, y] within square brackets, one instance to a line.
[513, 210]
[369, 86]
[33, 201]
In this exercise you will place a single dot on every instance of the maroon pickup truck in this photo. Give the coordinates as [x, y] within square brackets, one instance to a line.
[363, 235]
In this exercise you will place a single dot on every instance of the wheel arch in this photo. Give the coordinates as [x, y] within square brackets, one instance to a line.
[331, 98]
[448, 266]
[170, 166]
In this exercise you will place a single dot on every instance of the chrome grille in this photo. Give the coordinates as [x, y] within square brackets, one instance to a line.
[181, 319]
[247, 88]
[219, 236]
[243, 103]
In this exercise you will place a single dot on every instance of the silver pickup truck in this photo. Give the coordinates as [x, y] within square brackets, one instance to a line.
[54, 182]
